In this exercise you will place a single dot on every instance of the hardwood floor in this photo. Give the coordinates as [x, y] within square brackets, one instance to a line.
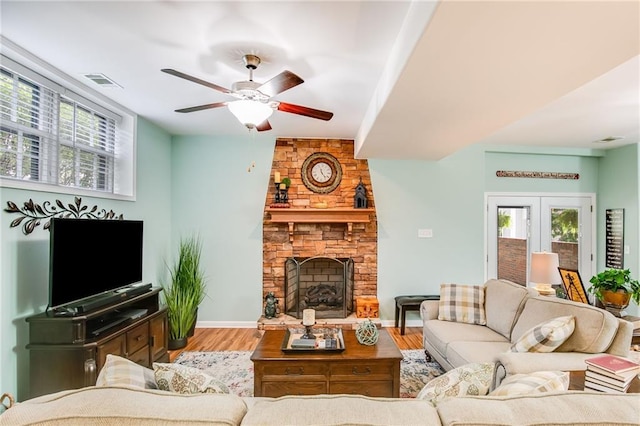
[246, 339]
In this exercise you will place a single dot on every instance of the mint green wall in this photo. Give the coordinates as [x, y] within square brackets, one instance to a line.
[24, 260]
[619, 188]
[445, 196]
[216, 196]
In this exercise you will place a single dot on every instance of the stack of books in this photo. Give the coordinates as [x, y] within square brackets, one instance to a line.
[610, 373]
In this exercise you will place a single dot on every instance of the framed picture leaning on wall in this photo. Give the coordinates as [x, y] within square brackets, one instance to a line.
[573, 286]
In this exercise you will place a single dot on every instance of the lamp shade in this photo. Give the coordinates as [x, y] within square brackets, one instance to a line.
[544, 268]
[250, 113]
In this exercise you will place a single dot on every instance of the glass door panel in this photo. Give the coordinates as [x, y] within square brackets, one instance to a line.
[513, 242]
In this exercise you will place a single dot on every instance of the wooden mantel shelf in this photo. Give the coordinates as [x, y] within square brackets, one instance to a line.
[346, 215]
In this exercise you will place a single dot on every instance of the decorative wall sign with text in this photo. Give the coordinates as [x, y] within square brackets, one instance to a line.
[537, 175]
[614, 226]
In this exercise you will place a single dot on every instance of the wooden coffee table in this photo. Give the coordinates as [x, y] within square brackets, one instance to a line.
[359, 369]
[576, 382]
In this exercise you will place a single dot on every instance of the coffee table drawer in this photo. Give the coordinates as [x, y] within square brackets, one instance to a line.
[294, 369]
[362, 370]
[379, 388]
[275, 389]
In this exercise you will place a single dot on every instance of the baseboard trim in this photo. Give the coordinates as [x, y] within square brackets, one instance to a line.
[254, 324]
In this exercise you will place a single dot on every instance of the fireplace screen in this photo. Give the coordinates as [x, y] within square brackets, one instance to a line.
[321, 283]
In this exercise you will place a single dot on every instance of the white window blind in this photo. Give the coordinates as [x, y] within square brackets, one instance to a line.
[54, 136]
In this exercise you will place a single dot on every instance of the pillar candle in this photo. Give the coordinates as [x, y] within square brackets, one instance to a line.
[308, 317]
[283, 186]
[276, 177]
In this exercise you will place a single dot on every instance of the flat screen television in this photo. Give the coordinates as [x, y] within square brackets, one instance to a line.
[88, 257]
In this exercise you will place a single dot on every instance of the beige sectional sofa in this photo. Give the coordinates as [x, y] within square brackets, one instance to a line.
[510, 311]
[135, 406]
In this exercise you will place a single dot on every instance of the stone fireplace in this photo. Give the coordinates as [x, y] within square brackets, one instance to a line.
[324, 284]
[336, 232]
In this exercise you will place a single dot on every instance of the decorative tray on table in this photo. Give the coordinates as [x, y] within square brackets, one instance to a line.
[327, 340]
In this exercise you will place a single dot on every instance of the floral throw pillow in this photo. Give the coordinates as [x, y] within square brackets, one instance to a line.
[121, 371]
[546, 336]
[539, 381]
[469, 379]
[462, 303]
[182, 379]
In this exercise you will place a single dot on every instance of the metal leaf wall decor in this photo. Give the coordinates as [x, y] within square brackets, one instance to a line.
[33, 213]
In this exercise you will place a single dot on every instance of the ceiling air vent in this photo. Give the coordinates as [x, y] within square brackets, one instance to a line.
[101, 80]
[609, 139]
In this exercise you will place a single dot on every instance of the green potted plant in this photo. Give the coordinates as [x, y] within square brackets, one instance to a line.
[185, 291]
[614, 288]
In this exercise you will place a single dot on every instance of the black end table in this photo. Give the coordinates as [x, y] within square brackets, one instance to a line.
[410, 303]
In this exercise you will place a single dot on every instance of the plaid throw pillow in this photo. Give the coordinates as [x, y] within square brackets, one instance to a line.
[462, 303]
[120, 371]
[546, 336]
[539, 381]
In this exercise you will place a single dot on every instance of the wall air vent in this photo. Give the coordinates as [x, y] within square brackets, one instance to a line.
[101, 79]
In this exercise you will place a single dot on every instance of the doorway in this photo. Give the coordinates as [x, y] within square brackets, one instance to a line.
[520, 224]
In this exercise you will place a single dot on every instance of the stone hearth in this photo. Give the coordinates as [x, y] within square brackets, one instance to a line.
[331, 232]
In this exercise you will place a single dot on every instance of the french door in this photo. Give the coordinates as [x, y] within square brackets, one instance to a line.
[518, 225]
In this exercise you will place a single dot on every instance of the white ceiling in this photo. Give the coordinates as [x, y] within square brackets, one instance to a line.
[405, 79]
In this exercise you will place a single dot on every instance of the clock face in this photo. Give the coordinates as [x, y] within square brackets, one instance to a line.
[321, 172]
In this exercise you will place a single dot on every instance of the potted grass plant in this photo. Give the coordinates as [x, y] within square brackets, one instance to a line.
[615, 288]
[185, 292]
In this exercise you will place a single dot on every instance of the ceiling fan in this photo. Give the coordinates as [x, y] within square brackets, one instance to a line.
[254, 104]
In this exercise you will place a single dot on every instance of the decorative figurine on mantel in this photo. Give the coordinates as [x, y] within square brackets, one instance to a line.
[360, 199]
[270, 305]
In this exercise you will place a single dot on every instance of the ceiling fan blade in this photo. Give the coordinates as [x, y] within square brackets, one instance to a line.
[301, 110]
[195, 80]
[264, 126]
[203, 107]
[281, 82]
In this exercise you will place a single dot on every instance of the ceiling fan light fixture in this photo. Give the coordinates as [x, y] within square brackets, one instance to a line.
[250, 113]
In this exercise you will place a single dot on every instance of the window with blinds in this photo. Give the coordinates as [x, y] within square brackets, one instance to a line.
[51, 135]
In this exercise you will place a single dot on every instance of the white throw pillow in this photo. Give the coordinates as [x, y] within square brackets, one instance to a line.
[462, 303]
[182, 379]
[539, 381]
[469, 379]
[546, 336]
[121, 371]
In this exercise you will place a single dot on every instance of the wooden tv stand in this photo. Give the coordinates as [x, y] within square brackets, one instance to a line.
[67, 352]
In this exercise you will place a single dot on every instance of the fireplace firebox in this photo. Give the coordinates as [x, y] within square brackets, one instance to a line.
[321, 283]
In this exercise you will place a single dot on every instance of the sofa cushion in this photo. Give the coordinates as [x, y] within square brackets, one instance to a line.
[121, 371]
[504, 301]
[460, 352]
[440, 333]
[182, 379]
[556, 408]
[546, 336]
[462, 303]
[469, 379]
[120, 406]
[539, 381]
[340, 410]
[594, 330]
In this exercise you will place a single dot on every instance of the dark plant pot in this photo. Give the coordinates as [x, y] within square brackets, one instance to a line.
[192, 330]
[177, 343]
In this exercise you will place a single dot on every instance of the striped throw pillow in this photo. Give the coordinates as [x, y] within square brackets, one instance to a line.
[546, 336]
[462, 303]
[537, 382]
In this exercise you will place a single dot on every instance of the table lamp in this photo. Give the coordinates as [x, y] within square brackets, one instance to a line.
[544, 272]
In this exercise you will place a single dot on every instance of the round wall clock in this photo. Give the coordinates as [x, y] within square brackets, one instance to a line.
[321, 172]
